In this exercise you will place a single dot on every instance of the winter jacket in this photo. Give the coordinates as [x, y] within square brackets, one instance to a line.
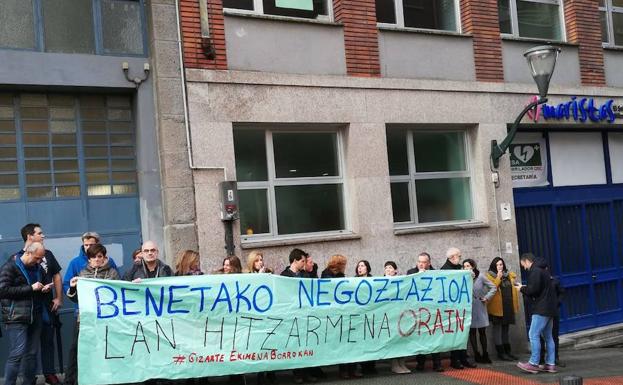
[495, 306]
[451, 266]
[17, 298]
[326, 273]
[484, 289]
[79, 263]
[103, 272]
[415, 270]
[541, 292]
[140, 270]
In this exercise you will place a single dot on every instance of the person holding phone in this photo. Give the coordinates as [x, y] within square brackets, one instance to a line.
[21, 298]
[502, 307]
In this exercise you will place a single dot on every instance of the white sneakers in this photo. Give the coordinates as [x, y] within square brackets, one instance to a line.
[399, 366]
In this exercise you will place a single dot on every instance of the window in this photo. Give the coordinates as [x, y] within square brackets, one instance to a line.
[426, 14]
[429, 175]
[611, 12]
[73, 26]
[309, 9]
[70, 146]
[288, 182]
[539, 19]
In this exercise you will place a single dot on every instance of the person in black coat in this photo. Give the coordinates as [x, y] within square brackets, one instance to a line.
[21, 298]
[458, 358]
[540, 293]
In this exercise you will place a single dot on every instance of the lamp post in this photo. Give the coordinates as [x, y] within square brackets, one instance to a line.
[542, 61]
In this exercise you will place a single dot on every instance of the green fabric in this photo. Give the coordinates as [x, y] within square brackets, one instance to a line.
[212, 325]
[306, 5]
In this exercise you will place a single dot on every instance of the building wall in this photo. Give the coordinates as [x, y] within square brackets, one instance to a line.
[426, 56]
[310, 48]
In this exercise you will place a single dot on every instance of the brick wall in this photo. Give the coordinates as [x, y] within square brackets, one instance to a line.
[200, 53]
[361, 41]
[584, 28]
[480, 18]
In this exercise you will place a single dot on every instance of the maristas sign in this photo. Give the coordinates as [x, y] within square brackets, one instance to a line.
[578, 109]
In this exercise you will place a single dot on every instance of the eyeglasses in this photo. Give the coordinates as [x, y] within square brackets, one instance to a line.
[150, 250]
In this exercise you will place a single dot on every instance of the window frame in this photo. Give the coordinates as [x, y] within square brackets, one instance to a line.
[98, 31]
[258, 9]
[414, 176]
[512, 4]
[272, 182]
[609, 9]
[81, 157]
[400, 19]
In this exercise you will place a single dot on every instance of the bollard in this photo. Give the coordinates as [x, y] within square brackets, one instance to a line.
[570, 380]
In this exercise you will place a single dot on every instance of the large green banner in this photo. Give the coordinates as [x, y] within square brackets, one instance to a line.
[212, 325]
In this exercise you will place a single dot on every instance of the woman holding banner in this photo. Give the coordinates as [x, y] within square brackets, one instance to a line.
[398, 364]
[99, 268]
[255, 263]
[187, 263]
[502, 307]
[335, 269]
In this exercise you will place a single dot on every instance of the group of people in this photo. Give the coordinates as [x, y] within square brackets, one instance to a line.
[31, 293]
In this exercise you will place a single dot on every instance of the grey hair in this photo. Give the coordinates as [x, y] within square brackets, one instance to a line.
[33, 247]
[452, 251]
[91, 234]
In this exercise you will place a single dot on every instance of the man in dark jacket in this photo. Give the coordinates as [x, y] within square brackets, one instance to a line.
[458, 358]
[540, 293]
[21, 293]
[296, 269]
[150, 266]
[32, 232]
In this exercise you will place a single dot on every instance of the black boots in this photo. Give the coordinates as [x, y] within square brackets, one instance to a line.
[507, 350]
[502, 354]
[482, 358]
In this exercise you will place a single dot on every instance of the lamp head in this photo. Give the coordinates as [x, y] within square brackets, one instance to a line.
[542, 61]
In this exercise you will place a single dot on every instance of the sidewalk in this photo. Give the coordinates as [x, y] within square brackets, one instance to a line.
[595, 366]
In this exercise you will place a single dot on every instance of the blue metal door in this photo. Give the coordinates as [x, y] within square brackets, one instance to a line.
[579, 231]
[67, 162]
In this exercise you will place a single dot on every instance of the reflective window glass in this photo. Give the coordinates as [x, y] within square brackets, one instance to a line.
[122, 27]
[309, 208]
[253, 211]
[68, 26]
[299, 155]
[250, 152]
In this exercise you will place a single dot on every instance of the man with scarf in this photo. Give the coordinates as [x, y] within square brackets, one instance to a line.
[21, 297]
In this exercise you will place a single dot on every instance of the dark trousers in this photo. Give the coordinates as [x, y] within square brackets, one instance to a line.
[47, 349]
[421, 360]
[24, 340]
[71, 376]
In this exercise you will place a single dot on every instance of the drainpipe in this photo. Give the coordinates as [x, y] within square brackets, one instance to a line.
[205, 41]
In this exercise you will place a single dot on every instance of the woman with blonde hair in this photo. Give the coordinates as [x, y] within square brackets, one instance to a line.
[255, 263]
[187, 263]
[335, 269]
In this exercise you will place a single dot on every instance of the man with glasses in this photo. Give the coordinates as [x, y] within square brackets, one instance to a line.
[150, 266]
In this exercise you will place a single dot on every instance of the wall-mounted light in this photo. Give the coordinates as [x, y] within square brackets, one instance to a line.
[125, 66]
[542, 61]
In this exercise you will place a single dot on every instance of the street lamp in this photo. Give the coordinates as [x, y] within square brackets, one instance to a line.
[542, 61]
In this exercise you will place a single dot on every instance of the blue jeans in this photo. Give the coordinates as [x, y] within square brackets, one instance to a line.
[24, 340]
[541, 326]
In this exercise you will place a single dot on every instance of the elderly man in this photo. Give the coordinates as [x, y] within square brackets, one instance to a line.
[423, 264]
[21, 296]
[150, 266]
[458, 358]
[32, 232]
